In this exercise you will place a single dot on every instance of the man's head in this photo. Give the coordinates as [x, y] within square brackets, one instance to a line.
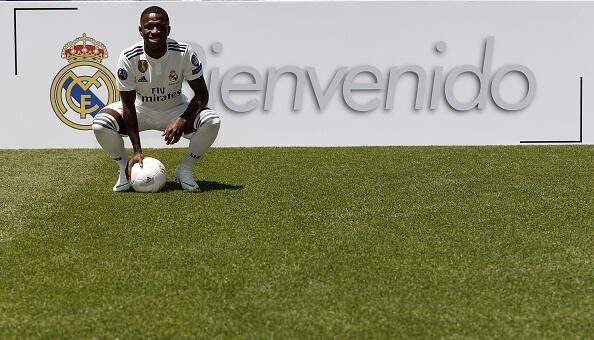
[154, 28]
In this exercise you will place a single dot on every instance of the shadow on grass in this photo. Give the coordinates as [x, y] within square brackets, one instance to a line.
[204, 186]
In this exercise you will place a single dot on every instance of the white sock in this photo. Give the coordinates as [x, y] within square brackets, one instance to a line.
[106, 129]
[207, 124]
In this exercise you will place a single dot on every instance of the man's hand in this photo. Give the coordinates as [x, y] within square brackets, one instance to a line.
[137, 158]
[174, 131]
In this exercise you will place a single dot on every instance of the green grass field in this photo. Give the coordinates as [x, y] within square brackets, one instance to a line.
[407, 242]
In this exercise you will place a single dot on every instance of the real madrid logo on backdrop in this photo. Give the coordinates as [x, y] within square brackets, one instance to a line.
[84, 86]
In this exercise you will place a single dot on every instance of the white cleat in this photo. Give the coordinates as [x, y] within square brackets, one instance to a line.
[121, 187]
[122, 184]
[184, 177]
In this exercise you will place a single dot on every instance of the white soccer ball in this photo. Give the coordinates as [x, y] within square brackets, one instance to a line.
[150, 178]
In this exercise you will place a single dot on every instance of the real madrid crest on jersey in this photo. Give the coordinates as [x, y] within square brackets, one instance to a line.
[84, 86]
[172, 76]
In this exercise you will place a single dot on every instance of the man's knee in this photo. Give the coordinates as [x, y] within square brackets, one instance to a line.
[207, 121]
[103, 121]
[207, 118]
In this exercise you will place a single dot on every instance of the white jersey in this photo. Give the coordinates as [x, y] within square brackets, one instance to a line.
[158, 82]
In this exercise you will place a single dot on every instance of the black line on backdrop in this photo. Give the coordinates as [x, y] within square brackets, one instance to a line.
[14, 18]
[564, 141]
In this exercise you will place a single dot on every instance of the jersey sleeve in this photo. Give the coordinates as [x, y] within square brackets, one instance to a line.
[126, 80]
[192, 65]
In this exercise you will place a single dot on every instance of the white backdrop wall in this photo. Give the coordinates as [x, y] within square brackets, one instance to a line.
[321, 73]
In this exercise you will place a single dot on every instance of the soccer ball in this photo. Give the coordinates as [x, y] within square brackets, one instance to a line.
[150, 178]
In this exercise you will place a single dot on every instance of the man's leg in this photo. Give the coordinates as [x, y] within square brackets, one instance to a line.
[202, 135]
[107, 126]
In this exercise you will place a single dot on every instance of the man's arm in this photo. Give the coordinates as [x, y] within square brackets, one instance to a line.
[131, 123]
[183, 123]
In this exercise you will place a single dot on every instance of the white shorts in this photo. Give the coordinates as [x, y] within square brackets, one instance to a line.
[159, 120]
[149, 119]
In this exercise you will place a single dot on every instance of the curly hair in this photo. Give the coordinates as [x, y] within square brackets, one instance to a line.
[154, 9]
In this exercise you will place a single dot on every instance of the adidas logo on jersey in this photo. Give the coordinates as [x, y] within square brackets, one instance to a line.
[142, 79]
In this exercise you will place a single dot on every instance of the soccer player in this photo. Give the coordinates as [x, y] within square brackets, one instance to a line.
[149, 76]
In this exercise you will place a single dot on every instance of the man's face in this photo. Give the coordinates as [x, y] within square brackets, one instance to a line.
[154, 29]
